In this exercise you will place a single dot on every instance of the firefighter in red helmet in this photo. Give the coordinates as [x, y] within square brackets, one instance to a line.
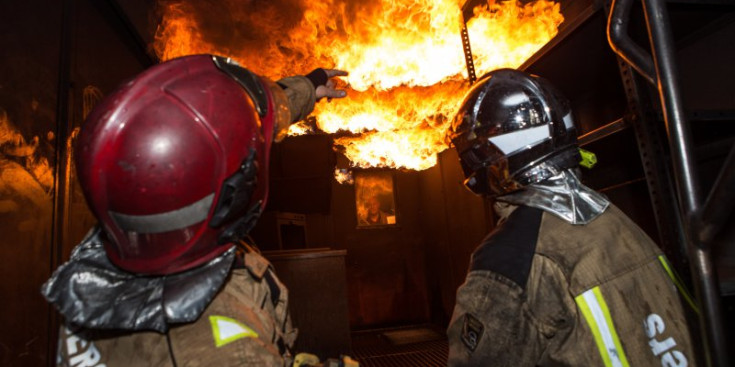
[174, 166]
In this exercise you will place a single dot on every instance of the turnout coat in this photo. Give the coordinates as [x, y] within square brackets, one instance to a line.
[541, 291]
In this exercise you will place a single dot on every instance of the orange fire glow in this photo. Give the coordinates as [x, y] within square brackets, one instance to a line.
[343, 176]
[405, 58]
[25, 175]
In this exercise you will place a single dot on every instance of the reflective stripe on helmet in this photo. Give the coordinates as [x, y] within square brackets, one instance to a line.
[568, 121]
[247, 79]
[516, 140]
[165, 222]
[595, 311]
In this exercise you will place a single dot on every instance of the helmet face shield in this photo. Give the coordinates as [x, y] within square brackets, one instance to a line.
[474, 157]
[509, 122]
[489, 112]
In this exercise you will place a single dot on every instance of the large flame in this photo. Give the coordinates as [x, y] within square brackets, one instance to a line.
[405, 58]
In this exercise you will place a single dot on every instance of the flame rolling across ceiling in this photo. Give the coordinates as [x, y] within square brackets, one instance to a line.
[405, 59]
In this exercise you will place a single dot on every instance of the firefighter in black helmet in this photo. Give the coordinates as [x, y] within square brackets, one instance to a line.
[566, 278]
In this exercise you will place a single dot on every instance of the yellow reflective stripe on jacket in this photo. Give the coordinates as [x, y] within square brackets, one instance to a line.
[677, 282]
[595, 311]
[226, 330]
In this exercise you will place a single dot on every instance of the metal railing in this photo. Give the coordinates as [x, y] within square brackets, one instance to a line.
[701, 220]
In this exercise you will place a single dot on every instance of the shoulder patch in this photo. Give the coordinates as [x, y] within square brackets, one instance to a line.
[226, 330]
[472, 331]
[509, 249]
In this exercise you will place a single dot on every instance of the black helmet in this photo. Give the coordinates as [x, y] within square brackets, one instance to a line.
[513, 129]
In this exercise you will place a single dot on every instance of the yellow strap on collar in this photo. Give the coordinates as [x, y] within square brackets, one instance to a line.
[589, 159]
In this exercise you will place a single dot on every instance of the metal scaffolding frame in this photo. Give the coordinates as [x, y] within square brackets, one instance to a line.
[700, 220]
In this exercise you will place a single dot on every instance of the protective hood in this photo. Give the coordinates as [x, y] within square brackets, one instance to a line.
[89, 291]
[562, 195]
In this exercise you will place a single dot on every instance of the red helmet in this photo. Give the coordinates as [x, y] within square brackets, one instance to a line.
[174, 163]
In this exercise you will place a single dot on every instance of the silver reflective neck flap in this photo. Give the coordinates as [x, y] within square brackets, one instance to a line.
[562, 195]
[89, 291]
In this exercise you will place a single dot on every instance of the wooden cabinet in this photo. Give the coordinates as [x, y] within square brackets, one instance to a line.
[317, 288]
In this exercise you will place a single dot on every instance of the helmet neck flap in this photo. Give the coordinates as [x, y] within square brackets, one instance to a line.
[91, 292]
[562, 195]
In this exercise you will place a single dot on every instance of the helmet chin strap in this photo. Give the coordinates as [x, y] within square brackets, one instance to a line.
[562, 195]
[477, 182]
[238, 230]
[235, 197]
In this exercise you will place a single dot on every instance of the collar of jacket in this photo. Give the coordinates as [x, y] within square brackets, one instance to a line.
[89, 291]
[562, 195]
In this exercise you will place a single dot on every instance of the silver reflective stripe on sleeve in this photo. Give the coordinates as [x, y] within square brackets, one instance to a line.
[595, 311]
[165, 222]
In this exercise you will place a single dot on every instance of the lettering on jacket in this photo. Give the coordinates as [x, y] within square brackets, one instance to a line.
[663, 349]
[80, 352]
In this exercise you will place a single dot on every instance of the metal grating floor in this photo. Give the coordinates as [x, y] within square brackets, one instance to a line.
[374, 348]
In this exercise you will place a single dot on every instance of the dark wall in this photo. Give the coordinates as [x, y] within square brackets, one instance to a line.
[29, 71]
[396, 275]
[59, 58]
[585, 70]
[454, 222]
[102, 56]
[705, 59]
[386, 274]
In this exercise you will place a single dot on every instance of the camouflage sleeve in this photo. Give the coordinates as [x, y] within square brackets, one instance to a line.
[491, 325]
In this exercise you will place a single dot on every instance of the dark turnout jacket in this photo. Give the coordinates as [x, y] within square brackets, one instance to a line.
[541, 291]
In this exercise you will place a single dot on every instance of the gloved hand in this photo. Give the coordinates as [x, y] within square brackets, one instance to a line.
[310, 360]
[306, 360]
[323, 81]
